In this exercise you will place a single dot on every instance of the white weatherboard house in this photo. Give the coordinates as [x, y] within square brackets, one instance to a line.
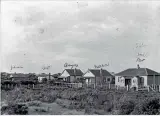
[71, 75]
[98, 77]
[137, 77]
[45, 76]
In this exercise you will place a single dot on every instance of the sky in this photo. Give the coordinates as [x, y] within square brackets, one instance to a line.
[42, 33]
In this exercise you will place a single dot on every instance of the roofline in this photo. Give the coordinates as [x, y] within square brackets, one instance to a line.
[74, 74]
[87, 71]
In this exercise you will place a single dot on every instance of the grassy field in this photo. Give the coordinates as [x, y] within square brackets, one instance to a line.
[83, 101]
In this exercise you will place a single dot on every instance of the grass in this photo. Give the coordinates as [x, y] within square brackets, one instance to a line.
[97, 101]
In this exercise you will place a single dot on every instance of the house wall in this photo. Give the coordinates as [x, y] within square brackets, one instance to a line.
[153, 80]
[51, 77]
[91, 80]
[158, 80]
[40, 79]
[110, 79]
[119, 81]
[65, 74]
[150, 80]
[78, 77]
[99, 80]
[72, 78]
[20, 78]
[145, 80]
[134, 82]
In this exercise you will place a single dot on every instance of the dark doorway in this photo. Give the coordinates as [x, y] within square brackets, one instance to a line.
[127, 82]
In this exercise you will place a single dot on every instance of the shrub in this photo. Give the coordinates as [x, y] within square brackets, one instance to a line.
[150, 106]
[108, 106]
[34, 103]
[125, 108]
[40, 110]
[19, 109]
[48, 98]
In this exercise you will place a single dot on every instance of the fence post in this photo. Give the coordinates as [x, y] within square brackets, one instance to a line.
[159, 88]
[109, 86]
[33, 86]
[148, 88]
[137, 88]
[117, 87]
[127, 87]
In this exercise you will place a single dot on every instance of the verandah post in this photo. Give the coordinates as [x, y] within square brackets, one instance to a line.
[127, 87]
[148, 88]
[117, 87]
[137, 88]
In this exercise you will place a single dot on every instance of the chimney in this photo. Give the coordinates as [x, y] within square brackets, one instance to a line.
[101, 71]
[138, 66]
[75, 71]
[49, 76]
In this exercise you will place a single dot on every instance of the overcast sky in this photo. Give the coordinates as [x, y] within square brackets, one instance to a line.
[36, 34]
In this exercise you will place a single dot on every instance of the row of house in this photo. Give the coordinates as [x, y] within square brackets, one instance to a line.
[132, 77]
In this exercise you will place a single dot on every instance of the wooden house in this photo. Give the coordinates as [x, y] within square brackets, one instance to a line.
[137, 77]
[71, 75]
[98, 77]
[18, 77]
[46, 77]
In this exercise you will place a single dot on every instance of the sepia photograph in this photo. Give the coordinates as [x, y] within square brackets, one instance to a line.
[80, 57]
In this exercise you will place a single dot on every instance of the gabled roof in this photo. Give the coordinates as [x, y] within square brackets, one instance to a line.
[137, 72]
[97, 72]
[16, 75]
[74, 72]
[20, 75]
[43, 75]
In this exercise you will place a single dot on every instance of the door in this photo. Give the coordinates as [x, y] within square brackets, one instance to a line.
[127, 82]
[140, 81]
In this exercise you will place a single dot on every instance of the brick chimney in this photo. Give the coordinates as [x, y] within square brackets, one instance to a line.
[75, 71]
[49, 76]
[101, 72]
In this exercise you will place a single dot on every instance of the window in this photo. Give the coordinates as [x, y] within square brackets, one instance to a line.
[134, 81]
[118, 79]
[108, 79]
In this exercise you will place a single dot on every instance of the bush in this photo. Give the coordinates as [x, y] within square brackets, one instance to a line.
[150, 106]
[40, 110]
[125, 108]
[19, 109]
[108, 106]
[34, 103]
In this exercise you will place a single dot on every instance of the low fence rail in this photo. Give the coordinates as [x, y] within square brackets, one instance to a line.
[63, 85]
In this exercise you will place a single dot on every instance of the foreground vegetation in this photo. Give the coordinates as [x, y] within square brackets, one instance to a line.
[90, 101]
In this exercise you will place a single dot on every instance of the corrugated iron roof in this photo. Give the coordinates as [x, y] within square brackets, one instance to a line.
[20, 75]
[74, 72]
[97, 72]
[137, 72]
